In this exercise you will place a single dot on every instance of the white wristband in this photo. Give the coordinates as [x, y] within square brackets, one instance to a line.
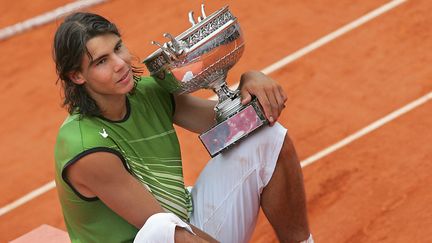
[160, 228]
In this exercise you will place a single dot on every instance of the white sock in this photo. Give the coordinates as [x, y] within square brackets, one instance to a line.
[309, 240]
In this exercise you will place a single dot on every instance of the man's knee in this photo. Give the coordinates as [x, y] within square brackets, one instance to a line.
[288, 151]
[266, 138]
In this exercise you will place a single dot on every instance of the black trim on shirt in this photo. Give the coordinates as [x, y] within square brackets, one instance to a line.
[82, 154]
[128, 111]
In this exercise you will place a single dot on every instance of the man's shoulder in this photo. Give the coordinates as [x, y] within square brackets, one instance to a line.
[149, 90]
[78, 134]
[70, 127]
[78, 126]
[148, 85]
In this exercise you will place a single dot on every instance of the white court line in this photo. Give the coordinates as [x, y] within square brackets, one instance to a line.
[45, 18]
[326, 39]
[268, 70]
[371, 127]
[29, 196]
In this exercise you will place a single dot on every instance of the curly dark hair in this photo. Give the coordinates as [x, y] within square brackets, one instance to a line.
[68, 51]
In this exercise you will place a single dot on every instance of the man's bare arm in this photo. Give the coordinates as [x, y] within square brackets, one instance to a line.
[193, 113]
[103, 175]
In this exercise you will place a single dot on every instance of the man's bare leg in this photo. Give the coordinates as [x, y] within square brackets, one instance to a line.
[283, 200]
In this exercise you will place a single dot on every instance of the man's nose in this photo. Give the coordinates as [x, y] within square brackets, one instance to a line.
[119, 63]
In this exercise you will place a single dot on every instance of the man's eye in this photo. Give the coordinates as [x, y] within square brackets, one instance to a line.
[117, 47]
[102, 61]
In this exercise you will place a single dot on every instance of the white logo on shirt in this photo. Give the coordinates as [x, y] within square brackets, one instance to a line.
[104, 134]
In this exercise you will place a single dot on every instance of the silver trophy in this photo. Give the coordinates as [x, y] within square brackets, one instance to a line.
[200, 58]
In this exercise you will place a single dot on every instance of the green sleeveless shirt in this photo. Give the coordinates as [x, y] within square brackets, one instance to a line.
[146, 142]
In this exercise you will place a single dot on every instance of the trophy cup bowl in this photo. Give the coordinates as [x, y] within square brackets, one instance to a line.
[200, 58]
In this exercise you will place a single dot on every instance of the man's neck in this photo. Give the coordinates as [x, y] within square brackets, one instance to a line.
[113, 108]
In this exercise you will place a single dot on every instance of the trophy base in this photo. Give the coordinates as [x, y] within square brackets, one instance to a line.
[233, 129]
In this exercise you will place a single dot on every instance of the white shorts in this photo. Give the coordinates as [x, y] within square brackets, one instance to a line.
[226, 196]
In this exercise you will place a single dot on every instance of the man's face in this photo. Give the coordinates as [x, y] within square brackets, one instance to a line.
[108, 71]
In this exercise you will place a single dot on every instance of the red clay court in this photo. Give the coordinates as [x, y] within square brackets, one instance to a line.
[359, 84]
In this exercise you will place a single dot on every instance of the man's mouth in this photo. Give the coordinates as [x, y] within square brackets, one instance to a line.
[125, 76]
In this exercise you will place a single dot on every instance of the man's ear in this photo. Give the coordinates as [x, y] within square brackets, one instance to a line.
[77, 77]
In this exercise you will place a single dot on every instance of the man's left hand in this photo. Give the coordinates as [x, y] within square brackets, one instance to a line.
[269, 93]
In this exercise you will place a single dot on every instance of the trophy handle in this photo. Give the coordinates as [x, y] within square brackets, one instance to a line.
[229, 101]
[223, 91]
